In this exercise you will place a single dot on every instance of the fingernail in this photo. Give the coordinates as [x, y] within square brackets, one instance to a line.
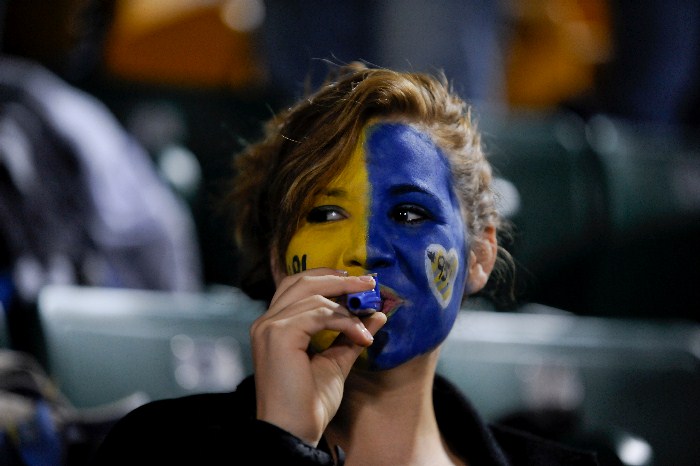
[366, 278]
[342, 273]
[367, 333]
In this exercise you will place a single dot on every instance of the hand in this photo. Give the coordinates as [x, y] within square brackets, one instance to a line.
[297, 391]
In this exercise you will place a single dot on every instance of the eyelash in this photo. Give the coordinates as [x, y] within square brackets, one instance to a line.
[320, 214]
[408, 209]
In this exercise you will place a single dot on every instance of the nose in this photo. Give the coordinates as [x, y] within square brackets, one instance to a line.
[369, 252]
[380, 248]
[378, 256]
[355, 253]
[367, 257]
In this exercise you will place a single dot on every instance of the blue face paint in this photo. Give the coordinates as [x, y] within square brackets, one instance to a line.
[392, 211]
[416, 242]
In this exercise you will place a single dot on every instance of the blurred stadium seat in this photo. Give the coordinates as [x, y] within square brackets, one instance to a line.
[562, 210]
[103, 345]
[603, 204]
[589, 381]
[648, 264]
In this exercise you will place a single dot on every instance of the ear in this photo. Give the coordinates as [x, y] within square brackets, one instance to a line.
[278, 272]
[482, 258]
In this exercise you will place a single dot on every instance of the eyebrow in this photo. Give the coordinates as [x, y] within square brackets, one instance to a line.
[410, 188]
[335, 192]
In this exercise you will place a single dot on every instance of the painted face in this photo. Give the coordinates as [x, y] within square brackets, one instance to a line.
[392, 211]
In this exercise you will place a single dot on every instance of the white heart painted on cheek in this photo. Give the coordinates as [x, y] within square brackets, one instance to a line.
[441, 267]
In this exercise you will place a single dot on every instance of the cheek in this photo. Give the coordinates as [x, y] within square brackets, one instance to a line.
[308, 250]
[436, 263]
[332, 245]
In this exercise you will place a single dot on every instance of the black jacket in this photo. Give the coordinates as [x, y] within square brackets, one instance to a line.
[222, 429]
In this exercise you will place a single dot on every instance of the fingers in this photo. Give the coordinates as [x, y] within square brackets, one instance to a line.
[298, 322]
[367, 328]
[291, 280]
[374, 322]
[345, 350]
[301, 308]
[322, 281]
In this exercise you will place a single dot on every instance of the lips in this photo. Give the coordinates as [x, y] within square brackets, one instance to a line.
[390, 301]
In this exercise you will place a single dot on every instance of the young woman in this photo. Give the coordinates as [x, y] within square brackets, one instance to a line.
[379, 176]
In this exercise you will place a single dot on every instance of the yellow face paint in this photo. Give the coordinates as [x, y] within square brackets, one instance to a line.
[334, 234]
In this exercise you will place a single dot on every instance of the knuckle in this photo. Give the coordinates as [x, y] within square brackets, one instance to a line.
[287, 279]
[260, 327]
[305, 280]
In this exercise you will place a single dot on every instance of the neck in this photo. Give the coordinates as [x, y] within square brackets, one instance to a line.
[387, 417]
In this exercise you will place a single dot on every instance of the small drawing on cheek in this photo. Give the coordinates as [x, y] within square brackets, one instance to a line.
[297, 265]
[441, 268]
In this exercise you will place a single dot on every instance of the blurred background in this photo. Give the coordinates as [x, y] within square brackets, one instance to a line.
[119, 119]
[590, 108]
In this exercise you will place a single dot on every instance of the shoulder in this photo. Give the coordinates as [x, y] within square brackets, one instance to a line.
[207, 429]
[207, 411]
[196, 427]
[171, 413]
[522, 448]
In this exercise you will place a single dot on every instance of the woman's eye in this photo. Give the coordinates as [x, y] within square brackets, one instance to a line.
[326, 213]
[409, 214]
